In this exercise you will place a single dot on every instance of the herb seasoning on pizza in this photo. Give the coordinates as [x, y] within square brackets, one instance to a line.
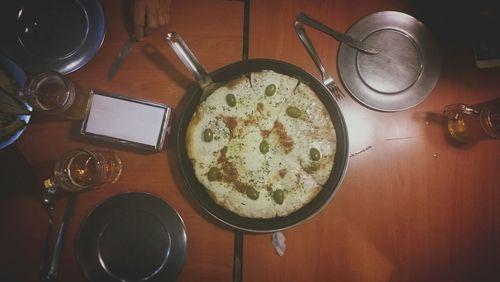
[263, 145]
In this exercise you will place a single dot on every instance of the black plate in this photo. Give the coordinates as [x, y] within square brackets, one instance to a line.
[58, 35]
[132, 237]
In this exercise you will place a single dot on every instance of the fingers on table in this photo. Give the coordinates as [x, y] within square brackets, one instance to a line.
[161, 14]
[139, 14]
[164, 12]
[152, 13]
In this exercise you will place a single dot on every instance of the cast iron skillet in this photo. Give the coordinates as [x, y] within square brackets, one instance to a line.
[225, 74]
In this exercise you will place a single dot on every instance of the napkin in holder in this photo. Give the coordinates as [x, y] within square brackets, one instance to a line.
[127, 121]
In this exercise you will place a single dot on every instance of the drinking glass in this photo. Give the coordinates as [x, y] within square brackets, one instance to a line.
[52, 93]
[473, 123]
[85, 169]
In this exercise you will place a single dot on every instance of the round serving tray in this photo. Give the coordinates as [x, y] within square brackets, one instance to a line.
[405, 71]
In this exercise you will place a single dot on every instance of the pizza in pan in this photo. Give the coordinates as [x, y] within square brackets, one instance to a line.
[263, 145]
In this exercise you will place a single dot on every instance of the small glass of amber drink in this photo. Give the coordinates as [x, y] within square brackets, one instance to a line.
[468, 124]
[85, 169]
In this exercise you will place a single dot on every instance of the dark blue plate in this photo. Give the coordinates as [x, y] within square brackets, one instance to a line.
[16, 74]
[58, 35]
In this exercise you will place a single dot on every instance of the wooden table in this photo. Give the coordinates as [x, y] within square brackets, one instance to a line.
[412, 206]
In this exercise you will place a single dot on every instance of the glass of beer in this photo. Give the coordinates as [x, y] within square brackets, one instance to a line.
[468, 124]
[85, 169]
[53, 93]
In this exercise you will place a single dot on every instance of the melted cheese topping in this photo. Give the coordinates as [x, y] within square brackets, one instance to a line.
[257, 162]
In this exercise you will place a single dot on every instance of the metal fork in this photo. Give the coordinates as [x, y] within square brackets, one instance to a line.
[326, 77]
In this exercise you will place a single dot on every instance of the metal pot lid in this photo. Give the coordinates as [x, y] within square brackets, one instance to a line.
[405, 71]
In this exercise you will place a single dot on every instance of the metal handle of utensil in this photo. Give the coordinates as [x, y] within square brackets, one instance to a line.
[46, 250]
[56, 255]
[188, 58]
[48, 200]
[356, 44]
[304, 38]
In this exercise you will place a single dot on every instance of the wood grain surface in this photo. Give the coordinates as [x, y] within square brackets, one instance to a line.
[412, 206]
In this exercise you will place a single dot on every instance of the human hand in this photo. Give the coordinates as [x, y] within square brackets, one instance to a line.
[149, 15]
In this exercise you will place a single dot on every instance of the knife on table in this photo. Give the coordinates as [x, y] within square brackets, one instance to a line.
[56, 256]
[122, 56]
